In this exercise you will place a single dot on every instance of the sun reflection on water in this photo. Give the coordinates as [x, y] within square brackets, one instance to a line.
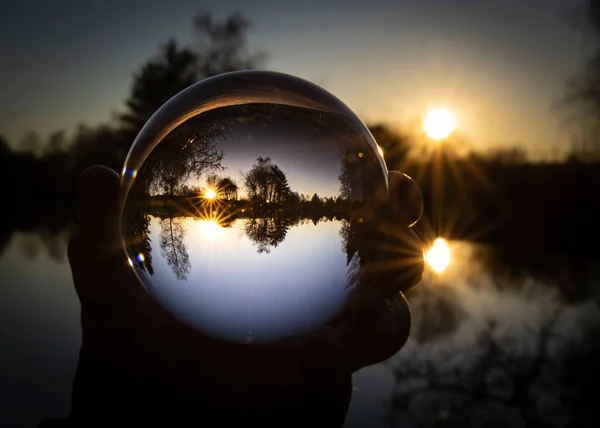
[210, 228]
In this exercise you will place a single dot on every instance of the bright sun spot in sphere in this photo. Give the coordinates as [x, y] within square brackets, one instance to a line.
[438, 257]
[439, 123]
[210, 194]
[211, 229]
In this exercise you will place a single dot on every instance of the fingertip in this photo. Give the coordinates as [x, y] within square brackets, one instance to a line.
[97, 181]
[97, 193]
[376, 329]
[401, 321]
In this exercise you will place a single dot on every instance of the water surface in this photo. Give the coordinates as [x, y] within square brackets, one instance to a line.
[483, 335]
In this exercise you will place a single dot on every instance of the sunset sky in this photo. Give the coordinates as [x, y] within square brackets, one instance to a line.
[500, 66]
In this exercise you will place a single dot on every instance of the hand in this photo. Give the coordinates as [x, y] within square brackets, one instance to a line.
[138, 364]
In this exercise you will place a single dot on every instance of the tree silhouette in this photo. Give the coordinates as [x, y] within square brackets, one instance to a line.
[266, 182]
[172, 245]
[31, 142]
[55, 144]
[171, 71]
[212, 182]
[98, 145]
[188, 151]
[548, 383]
[582, 100]
[224, 188]
[345, 184]
[220, 46]
[229, 188]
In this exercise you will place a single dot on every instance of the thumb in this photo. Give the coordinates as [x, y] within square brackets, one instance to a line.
[97, 192]
[95, 253]
[406, 199]
[375, 327]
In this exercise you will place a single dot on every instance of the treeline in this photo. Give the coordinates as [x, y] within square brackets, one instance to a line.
[48, 166]
[483, 198]
[499, 197]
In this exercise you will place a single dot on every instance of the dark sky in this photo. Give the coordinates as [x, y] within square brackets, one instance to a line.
[501, 66]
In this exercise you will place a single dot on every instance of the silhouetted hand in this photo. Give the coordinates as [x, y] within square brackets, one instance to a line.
[141, 366]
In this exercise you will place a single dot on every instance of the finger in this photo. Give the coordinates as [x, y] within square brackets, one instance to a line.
[96, 234]
[395, 259]
[374, 328]
[97, 260]
[97, 192]
[406, 199]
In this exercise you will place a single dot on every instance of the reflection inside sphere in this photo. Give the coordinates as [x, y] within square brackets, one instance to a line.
[245, 201]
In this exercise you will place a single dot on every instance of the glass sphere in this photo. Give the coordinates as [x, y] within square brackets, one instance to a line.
[245, 201]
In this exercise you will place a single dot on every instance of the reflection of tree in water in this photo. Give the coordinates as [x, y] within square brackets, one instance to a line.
[137, 230]
[267, 233]
[268, 206]
[542, 376]
[55, 244]
[348, 235]
[172, 245]
[572, 271]
[439, 308]
[354, 272]
[28, 246]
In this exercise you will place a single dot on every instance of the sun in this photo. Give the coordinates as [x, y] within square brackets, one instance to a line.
[438, 257]
[439, 123]
[210, 194]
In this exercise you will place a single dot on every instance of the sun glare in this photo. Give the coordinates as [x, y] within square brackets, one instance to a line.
[438, 257]
[439, 123]
[210, 194]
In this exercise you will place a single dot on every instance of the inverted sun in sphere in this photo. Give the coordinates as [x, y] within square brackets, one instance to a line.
[255, 206]
[439, 123]
[438, 257]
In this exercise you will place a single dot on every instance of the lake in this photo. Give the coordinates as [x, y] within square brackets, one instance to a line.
[502, 335]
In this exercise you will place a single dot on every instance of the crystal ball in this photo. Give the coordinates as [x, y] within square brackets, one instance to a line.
[245, 203]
